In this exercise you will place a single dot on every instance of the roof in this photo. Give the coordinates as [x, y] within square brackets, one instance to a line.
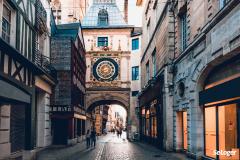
[67, 30]
[115, 18]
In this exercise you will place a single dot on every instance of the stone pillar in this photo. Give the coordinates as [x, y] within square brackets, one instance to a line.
[44, 137]
[167, 112]
[5, 145]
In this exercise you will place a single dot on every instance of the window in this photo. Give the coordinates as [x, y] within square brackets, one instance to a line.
[134, 93]
[147, 72]
[135, 73]
[222, 3]
[135, 44]
[6, 23]
[221, 129]
[103, 17]
[154, 62]
[102, 41]
[183, 25]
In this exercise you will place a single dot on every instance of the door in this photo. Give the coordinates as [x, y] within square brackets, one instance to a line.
[17, 127]
[60, 134]
[210, 131]
[185, 131]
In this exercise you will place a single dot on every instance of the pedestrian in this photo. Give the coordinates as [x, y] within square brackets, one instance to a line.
[120, 133]
[93, 137]
[88, 137]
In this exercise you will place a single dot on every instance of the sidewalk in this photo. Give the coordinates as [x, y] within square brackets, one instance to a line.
[60, 152]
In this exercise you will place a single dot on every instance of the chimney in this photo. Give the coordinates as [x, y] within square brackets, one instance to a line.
[126, 11]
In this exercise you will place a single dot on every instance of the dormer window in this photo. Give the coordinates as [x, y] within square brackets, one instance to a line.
[103, 17]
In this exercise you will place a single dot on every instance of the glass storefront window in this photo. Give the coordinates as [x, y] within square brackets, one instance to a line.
[227, 131]
[154, 127]
[221, 122]
[147, 123]
[210, 131]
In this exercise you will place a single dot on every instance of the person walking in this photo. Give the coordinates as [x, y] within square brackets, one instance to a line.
[93, 138]
[88, 137]
[120, 132]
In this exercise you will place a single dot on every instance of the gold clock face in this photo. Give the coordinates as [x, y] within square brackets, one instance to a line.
[105, 69]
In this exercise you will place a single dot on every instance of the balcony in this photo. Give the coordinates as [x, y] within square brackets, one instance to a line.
[44, 63]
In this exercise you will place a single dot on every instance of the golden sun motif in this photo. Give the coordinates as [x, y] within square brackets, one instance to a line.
[105, 70]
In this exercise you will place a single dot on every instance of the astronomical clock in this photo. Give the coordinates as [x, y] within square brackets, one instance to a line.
[105, 69]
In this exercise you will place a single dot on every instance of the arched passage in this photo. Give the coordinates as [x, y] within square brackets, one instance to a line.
[99, 104]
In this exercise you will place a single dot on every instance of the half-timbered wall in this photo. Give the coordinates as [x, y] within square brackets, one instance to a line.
[15, 69]
[25, 28]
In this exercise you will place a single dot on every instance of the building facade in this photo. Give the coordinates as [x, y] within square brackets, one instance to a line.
[23, 77]
[109, 58]
[44, 85]
[68, 103]
[206, 77]
[69, 11]
[190, 72]
[155, 99]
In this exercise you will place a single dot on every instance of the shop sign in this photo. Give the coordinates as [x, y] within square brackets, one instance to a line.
[60, 109]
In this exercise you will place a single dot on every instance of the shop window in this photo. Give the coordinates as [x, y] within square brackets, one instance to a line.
[210, 131]
[102, 41]
[6, 23]
[135, 73]
[153, 120]
[227, 128]
[220, 126]
[135, 44]
[147, 133]
[143, 121]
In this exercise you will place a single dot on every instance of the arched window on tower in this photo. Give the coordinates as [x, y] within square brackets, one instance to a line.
[103, 17]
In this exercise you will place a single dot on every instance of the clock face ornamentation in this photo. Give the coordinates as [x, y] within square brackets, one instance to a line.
[105, 69]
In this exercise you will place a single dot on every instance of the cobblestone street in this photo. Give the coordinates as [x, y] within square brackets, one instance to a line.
[110, 147]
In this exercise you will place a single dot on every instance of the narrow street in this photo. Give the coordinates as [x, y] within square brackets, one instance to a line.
[167, 72]
[110, 147]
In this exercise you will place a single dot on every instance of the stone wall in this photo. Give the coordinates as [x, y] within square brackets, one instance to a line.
[5, 145]
[61, 53]
[216, 43]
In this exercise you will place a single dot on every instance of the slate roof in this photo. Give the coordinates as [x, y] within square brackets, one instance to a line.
[65, 30]
[115, 18]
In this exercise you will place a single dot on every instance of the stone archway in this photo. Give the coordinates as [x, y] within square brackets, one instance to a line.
[103, 97]
[121, 97]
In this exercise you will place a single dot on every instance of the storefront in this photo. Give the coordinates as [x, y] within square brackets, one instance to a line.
[68, 124]
[221, 102]
[151, 115]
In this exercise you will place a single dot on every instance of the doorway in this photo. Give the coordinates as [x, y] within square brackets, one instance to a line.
[185, 131]
[221, 129]
[60, 132]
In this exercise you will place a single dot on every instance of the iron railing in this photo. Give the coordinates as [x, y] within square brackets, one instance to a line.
[44, 62]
